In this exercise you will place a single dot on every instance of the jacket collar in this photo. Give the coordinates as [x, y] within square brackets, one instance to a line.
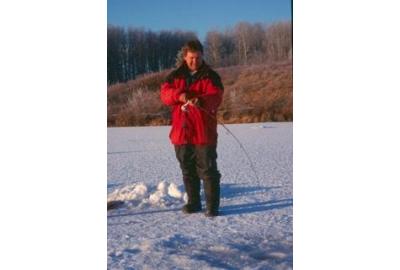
[201, 72]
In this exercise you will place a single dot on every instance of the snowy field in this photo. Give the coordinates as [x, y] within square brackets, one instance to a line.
[149, 231]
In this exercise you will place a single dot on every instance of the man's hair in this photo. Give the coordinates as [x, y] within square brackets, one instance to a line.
[192, 46]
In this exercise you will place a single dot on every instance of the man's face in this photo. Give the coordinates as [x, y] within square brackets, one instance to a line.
[193, 60]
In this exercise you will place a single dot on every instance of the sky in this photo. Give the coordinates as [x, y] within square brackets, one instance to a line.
[198, 16]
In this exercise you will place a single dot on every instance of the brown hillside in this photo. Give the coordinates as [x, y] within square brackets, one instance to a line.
[256, 93]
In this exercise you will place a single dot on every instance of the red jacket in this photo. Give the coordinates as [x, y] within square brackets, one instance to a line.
[195, 126]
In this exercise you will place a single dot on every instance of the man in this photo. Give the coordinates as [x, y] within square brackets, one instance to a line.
[194, 91]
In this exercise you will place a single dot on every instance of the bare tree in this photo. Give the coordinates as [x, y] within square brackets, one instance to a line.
[214, 48]
[228, 48]
[115, 54]
[278, 42]
[153, 51]
[243, 36]
[256, 37]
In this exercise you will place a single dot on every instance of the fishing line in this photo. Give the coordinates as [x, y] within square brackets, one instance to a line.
[184, 108]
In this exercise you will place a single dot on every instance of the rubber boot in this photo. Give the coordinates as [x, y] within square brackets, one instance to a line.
[212, 192]
[192, 187]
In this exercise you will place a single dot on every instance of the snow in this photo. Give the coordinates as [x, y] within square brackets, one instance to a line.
[137, 195]
[149, 231]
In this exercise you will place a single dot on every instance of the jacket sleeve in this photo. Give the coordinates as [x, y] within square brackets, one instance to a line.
[212, 97]
[170, 94]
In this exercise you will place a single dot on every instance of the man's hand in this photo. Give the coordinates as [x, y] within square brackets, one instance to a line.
[185, 97]
[182, 98]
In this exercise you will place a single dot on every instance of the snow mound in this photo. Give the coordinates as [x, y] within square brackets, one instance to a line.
[139, 195]
[174, 192]
[129, 193]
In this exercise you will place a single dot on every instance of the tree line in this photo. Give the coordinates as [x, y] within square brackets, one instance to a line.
[135, 51]
[247, 44]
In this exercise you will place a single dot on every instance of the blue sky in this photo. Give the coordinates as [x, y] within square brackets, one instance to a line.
[198, 16]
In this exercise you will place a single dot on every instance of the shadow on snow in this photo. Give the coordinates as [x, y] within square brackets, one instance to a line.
[248, 208]
[237, 190]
